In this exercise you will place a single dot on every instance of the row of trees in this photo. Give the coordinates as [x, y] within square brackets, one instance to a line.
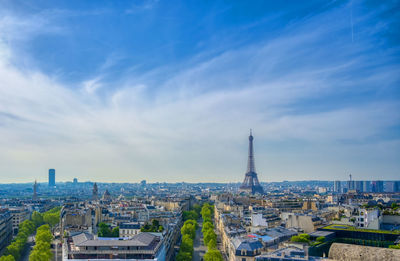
[41, 250]
[51, 217]
[106, 231]
[27, 228]
[188, 232]
[191, 214]
[210, 238]
[44, 223]
[17, 246]
[194, 213]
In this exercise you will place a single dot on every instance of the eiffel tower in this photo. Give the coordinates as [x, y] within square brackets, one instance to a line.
[250, 183]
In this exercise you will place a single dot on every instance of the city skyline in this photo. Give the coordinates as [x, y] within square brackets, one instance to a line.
[167, 92]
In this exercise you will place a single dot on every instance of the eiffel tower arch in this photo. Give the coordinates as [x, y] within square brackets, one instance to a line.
[251, 183]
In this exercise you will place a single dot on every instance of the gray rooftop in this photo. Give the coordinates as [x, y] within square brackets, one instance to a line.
[142, 239]
[246, 244]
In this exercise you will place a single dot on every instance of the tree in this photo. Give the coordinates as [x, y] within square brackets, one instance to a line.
[7, 258]
[188, 229]
[213, 255]
[43, 234]
[193, 222]
[14, 250]
[207, 226]
[303, 238]
[51, 218]
[104, 230]
[27, 226]
[37, 218]
[209, 235]
[155, 223]
[321, 239]
[41, 251]
[197, 209]
[115, 232]
[187, 244]
[395, 246]
[206, 212]
[183, 256]
[40, 255]
[212, 244]
[190, 215]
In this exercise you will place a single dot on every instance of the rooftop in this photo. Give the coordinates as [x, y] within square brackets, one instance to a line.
[143, 239]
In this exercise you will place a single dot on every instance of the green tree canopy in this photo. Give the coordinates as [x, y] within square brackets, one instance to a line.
[7, 258]
[44, 234]
[304, 238]
[37, 218]
[184, 256]
[41, 251]
[187, 244]
[207, 226]
[193, 222]
[189, 229]
[51, 218]
[14, 250]
[190, 215]
[213, 255]
[212, 244]
[209, 235]
[197, 209]
[115, 232]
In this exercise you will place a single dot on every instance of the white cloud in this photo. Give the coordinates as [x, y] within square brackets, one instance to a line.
[193, 125]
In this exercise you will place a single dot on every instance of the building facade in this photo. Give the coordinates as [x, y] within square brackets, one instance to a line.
[6, 229]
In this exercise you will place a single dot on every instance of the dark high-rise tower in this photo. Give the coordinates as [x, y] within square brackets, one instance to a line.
[250, 183]
[95, 194]
[34, 197]
[52, 177]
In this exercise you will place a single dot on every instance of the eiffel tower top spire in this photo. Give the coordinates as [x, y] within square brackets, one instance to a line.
[250, 162]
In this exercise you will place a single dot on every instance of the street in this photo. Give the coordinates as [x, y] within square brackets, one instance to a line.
[29, 245]
[198, 244]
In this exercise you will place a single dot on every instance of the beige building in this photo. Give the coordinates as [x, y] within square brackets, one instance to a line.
[74, 218]
[129, 229]
[305, 223]
[19, 215]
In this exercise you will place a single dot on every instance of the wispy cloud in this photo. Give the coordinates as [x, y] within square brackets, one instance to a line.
[141, 6]
[190, 121]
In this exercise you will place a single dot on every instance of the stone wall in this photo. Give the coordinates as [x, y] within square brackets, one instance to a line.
[339, 251]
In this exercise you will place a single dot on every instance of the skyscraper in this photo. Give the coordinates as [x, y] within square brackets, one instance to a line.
[52, 177]
[250, 183]
[366, 186]
[377, 186]
[396, 186]
[350, 184]
[337, 186]
[34, 197]
[359, 186]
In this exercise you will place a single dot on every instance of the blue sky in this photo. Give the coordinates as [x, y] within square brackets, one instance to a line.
[168, 90]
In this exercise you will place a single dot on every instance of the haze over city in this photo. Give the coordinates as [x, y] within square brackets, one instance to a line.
[167, 91]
